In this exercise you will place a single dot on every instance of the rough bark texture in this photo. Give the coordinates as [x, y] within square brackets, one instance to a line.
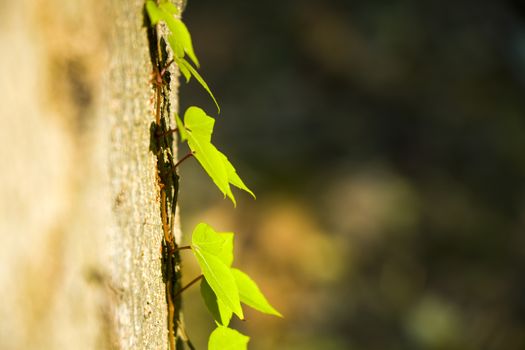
[80, 224]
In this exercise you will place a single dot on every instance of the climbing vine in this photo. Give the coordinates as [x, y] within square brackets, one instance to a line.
[223, 288]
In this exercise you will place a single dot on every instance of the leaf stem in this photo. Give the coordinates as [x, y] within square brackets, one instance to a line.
[163, 70]
[182, 248]
[195, 280]
[182, 160]
[167, 132]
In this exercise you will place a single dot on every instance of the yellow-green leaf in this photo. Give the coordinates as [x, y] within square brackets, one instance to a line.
[233, 177]
[223, 338]
[251, 295]
[182, 130]
[178, 52]
[208, 156]
[198, 128]
[221, 314]
[201, 81]
[154, 13]
[219, 244]
[200, 124]
[183, 69]
[169, 7]
[220, 279]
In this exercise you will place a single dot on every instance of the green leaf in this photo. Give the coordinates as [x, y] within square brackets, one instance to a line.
[198, 128]
[200, 124]
[223, 338]
[220, 279]
[201, 81]
[251, 295]
[209, 157]
[218, 244]
[220, 312]
[178, 51]
[233, 178]
[183, 69]
[181, 37]
[182, 130]
[169, 7]
[154, 13]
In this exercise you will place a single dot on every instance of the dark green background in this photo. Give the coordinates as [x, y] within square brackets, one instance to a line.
[386, 143]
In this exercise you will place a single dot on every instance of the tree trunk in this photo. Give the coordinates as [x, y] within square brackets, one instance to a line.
[82, 259]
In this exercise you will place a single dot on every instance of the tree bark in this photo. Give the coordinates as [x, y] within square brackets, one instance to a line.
[82, 263]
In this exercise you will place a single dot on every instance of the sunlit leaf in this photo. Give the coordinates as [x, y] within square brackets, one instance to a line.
[233, 177]
[200, 124]
[182, 36]
[182, 129]
[220, 279]
[169, 7]
[251, 295]
[220, 312]
[154, 13]
[212, 242]
[198, 130]
[183, 69]
[209, 157]
[201, 81]
[178, 52]
[223, 338]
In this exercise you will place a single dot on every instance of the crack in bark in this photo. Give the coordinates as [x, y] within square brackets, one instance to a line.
[161, 144]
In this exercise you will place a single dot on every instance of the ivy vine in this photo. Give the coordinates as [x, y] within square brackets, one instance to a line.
[223, 288]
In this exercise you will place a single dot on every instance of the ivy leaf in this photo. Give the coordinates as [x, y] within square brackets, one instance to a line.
[233, 178]
[217, 244]
[182, 37]
[178, 51]
[183, 70]
[154, 13]
[219, 311]
[168, 7]
[182, 129]
[200, 124]
[251, 295]
[223, 338]
[193, 71]
[198, 128]
[208, 156]
[220, 279]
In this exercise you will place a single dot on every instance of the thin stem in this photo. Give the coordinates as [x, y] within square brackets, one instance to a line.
[167, 132]
[181, 248]
[163, 70]
[197, 279]
[182, 160]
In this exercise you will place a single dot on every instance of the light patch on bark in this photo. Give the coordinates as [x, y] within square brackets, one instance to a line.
[80, 231]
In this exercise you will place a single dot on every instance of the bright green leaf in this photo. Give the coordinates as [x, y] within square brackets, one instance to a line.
[209, 157]
[182, 130]
[233, 177]
[200, 124]
[182, 37]
[178, 51]
[181, 33]
[205, 238]
[183, 69]
[220, 279]
[251, 295]
[154, 13]
[198, 130]
[219, 311]
[223, 338]
[201, 81]
[169, 7]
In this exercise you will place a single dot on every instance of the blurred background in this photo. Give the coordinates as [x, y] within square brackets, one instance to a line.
[385, 143]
